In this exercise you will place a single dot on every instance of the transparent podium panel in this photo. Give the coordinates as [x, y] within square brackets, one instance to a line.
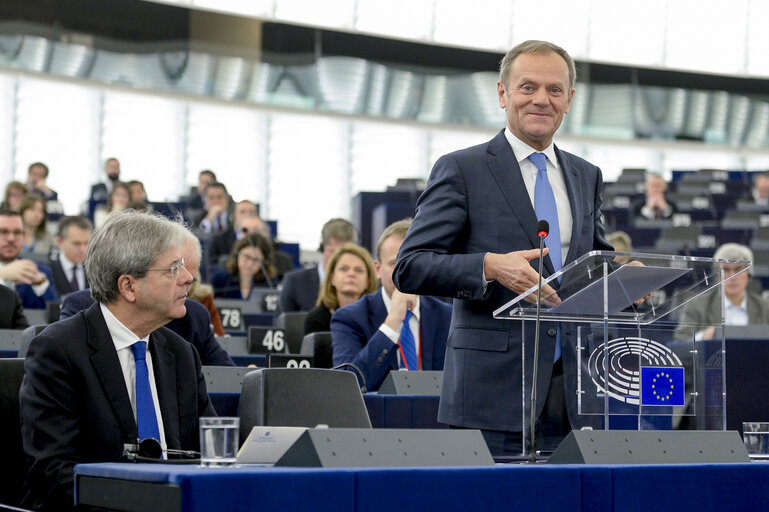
[642, 339]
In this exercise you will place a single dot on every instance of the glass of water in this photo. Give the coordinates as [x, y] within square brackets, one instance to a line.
[219, 439]
[755, 434]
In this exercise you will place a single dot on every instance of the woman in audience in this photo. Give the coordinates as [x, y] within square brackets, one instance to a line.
[14, 193]
[34, 216]
[118, 200]
[249, 263]
[349, 276]
[204, 294]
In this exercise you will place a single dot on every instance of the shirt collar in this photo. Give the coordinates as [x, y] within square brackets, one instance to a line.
[388, 303]
[523, 150]
[122, 336]
[66, 264]
[743, 305]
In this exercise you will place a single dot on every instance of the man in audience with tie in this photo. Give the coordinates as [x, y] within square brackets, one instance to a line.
[300, 288]
[67, 266]
[389, 330]
[111, 374]
[217, 216]
[474, 238]
[33, 282]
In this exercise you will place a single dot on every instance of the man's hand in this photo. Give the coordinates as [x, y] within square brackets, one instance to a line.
[401, 302]
[22, 272]
[513, 271]
[215, 211]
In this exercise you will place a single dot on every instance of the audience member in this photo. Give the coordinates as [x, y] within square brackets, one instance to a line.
[67, 266]
[194, 326]
[300, 287]
[222, 243]
[283, 261]
[100, 192]
[249, 266]
[655, 204]
[118, 200]
[33, 282]
[389, 330]
[37, 173]
[14, 193]
[622, 243]
[87, 389]
[204, 293]
[217, 216]
[136, 188]
[197, 199]
[741, 305]
[349, 276]
[34, 217]
[761, 189]
[11, 310]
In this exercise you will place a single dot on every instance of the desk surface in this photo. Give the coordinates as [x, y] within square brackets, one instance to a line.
[701, 487]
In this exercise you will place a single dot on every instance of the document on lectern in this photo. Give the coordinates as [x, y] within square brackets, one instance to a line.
[625, 285]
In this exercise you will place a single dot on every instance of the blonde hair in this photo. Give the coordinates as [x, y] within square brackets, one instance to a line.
[327, 294]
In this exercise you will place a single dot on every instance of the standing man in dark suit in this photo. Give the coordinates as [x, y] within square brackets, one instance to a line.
[474, 238]
[112, 374]
[33, 282]
[370, 332]
[299, 289]
[67, 267]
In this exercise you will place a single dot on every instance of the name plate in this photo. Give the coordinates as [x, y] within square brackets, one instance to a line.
[289, 361]
[266, 340]
[232, 318]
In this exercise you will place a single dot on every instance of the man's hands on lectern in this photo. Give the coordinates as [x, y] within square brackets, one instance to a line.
[513, 271]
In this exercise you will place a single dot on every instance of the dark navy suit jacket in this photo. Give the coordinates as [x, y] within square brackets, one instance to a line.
[62, 281]
[28, 297]
[300, 290]
[75, 405]
[195, 327]
[356, 337]
[476, 202]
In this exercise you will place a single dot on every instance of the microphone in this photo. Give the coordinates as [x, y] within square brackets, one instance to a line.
[264, 271]
[356, 370]
[149, 450]
[543, 229]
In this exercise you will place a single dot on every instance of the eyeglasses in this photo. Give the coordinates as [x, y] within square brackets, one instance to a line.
[8, 232]
[250, 258]
[175, 269]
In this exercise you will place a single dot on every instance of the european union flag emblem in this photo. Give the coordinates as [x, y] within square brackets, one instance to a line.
[662, 385]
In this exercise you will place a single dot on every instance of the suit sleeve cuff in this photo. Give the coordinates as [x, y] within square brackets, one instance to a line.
[391, 334]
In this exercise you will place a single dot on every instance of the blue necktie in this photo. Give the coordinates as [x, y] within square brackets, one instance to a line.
[407, 344]
[545, 208]
[146, 420]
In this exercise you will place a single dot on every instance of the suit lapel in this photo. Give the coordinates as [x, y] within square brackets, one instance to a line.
[164, 368]
[571, 177]
[107, 366]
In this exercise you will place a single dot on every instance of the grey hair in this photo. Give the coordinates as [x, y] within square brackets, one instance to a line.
[535, 46]
[128, 243]
[733, 251]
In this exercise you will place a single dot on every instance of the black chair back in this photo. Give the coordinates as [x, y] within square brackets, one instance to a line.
[318, 345]
[298, 397]
[293, 324]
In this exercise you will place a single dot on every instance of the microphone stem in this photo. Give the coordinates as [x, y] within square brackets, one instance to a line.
[533, 408]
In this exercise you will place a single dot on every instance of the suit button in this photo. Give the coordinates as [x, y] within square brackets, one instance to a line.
[551, 332]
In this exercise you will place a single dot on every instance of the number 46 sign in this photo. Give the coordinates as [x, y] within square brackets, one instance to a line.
[266, 340]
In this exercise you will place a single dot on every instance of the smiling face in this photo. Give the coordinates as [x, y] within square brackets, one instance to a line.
[536, 97]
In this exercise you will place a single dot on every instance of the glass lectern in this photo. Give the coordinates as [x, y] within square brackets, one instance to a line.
[647, 345]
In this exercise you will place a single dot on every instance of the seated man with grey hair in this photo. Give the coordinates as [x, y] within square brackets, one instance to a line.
[742, 306]
[111, 374]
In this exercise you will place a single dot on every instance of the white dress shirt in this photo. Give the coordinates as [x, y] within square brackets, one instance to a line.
[394, 335]
[123, 338]
[67, 267]
[557, 183]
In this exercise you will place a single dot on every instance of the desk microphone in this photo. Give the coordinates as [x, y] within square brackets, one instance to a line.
[149, 450]
[543, 229]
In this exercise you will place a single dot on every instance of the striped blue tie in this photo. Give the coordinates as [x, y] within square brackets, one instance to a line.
[407, 344]
[146, 420]
[546, 209]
